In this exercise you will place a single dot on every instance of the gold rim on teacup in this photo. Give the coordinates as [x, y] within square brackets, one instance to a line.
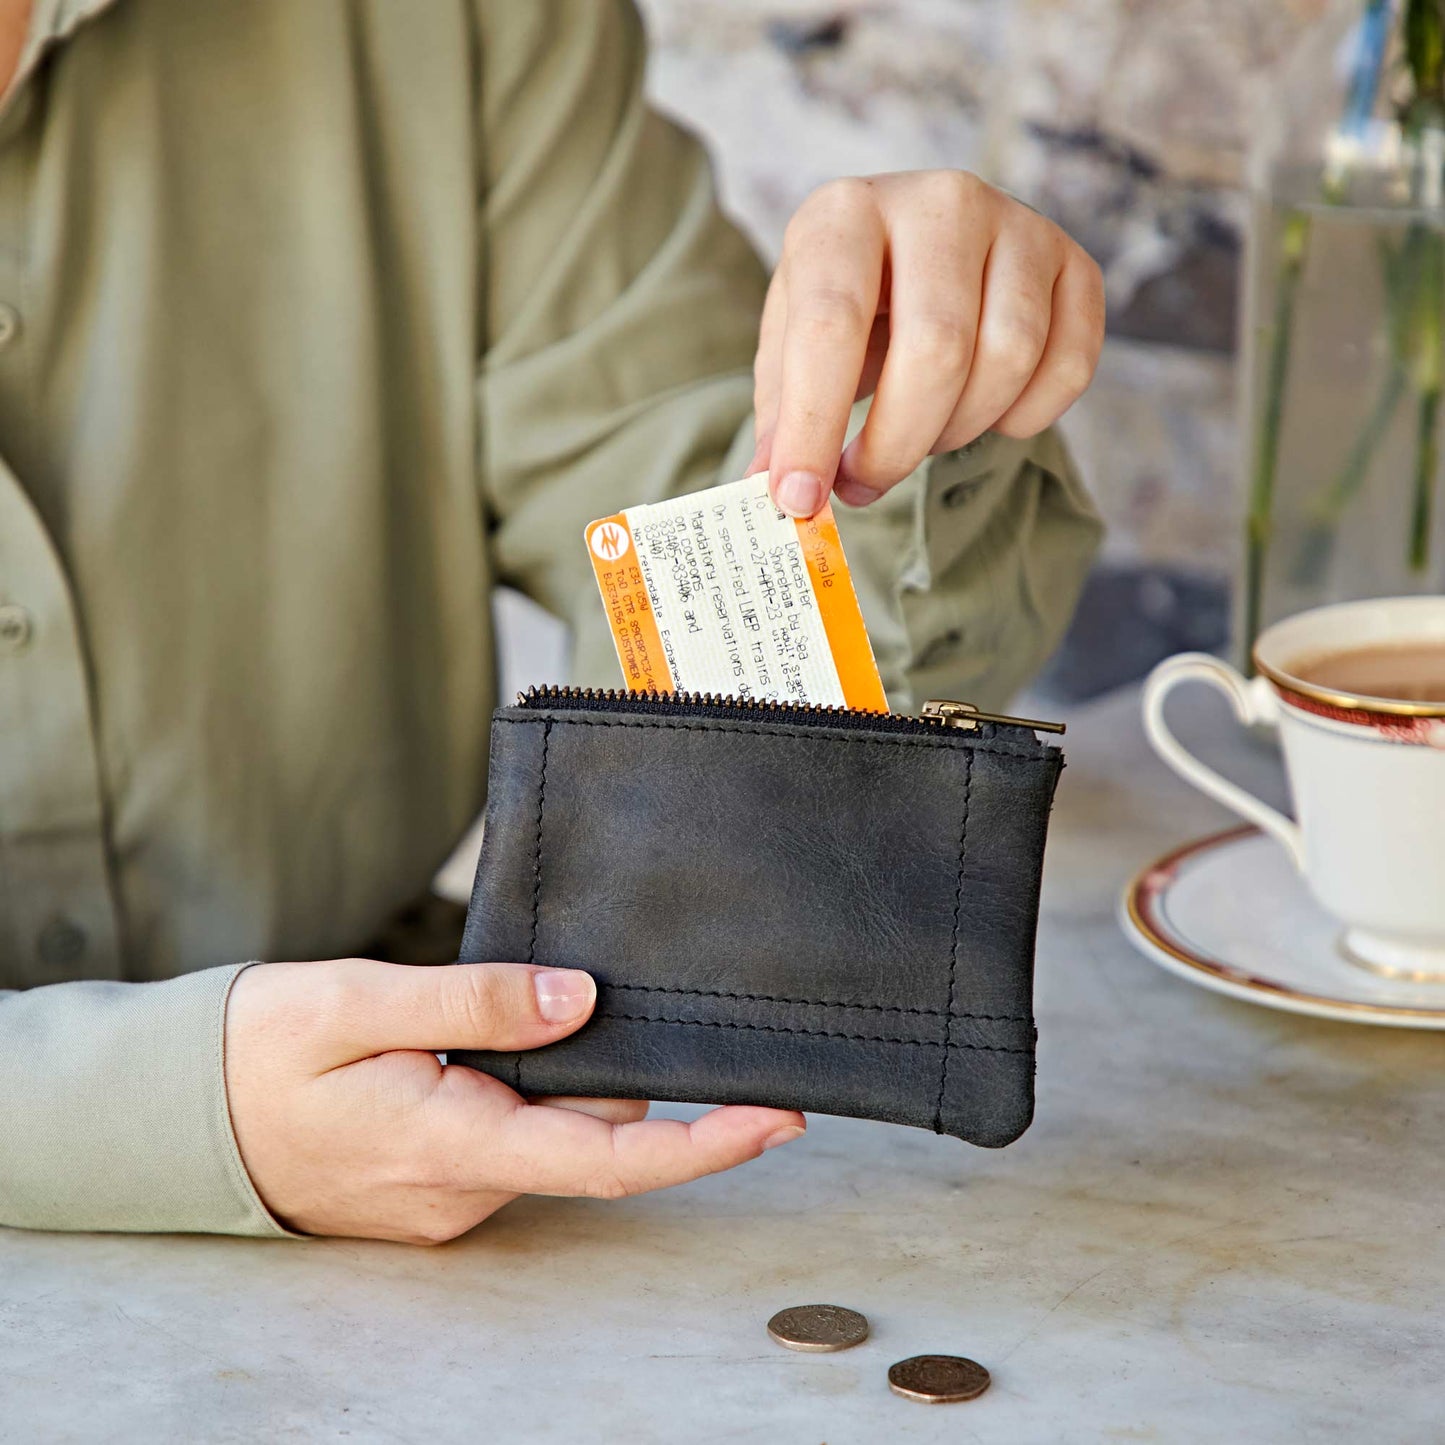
[1345, 701]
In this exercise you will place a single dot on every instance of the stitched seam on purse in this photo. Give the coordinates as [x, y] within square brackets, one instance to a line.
[537, 847]
[816, 1002]
[536, 880]
[953, 953]
[812, 1033]
[791, 734]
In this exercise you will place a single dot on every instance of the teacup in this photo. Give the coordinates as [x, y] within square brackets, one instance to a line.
[1367, 774]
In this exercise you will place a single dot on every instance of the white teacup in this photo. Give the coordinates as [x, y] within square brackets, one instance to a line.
[1367, 776]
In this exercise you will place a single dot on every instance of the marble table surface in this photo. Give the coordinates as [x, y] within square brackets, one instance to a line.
[1225, 1224]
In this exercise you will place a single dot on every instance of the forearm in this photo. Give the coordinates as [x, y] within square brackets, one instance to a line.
[113, 1111]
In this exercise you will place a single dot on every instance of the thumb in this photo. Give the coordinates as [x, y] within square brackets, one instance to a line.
[377, 1007]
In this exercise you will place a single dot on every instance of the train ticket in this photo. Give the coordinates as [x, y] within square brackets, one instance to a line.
[719, 592]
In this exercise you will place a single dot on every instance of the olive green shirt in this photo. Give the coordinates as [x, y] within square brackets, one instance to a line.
[319, 319]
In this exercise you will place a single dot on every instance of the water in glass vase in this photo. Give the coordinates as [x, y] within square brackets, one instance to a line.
[1344, 360]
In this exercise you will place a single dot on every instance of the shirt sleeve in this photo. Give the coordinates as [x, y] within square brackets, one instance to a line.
[115, 1112]
[620, 306]
[968, 572]
[621, 321]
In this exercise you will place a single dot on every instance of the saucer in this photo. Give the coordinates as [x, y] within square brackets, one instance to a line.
[1229, 912]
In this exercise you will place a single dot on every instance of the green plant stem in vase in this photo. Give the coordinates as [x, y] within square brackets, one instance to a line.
[1318, 538]
[1425, 122]
[1294, 245]
[1413, 272]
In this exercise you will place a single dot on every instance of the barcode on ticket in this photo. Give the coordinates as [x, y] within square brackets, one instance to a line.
[720, 592]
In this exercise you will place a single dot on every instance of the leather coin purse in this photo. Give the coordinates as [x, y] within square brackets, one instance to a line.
[807, 907]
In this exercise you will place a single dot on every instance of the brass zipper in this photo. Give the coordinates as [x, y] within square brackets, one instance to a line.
[937, 712]
[966, 715]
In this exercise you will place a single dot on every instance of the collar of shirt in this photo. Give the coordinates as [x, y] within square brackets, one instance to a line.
[51, 21]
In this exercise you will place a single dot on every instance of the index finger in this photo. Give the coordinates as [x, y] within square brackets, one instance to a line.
[833, 255]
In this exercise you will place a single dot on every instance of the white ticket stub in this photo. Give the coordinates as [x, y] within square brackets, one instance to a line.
[719, 592]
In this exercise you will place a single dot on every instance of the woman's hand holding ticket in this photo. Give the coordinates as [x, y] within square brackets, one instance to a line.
[958, 308]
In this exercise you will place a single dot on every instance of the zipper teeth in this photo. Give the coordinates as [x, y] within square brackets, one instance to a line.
[693, 699]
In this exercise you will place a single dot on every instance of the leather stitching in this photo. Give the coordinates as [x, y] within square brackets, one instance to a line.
[536, 882]
[537, 847]
[953, 953]
[816, 1002]
[814, 1033]
[793, 734]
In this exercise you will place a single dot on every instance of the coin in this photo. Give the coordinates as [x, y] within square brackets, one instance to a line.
[938, 1379]
[818, 1328]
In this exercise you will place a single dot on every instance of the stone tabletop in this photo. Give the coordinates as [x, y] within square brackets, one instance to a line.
[1225, 1224]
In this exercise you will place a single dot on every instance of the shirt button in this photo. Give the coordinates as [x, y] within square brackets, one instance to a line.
[16, 629]
[9, 325]
[60, 942]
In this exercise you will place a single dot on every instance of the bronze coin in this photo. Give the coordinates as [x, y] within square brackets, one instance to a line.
[938, 1379]
[818, 1328]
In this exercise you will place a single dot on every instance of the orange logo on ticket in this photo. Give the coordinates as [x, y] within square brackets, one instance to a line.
[629, 610]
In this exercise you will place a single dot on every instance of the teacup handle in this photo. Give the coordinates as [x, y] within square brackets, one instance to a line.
[1253, 702]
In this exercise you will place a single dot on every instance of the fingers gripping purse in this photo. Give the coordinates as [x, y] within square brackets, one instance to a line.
[807, 907]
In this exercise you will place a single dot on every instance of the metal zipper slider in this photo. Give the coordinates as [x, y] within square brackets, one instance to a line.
[966, 715]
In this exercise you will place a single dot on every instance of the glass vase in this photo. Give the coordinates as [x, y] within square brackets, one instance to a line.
[1343, 323]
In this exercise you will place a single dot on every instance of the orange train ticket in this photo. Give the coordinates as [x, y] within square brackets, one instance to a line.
[720, 592]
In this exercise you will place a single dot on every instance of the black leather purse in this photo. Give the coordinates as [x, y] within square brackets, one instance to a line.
[806, 907]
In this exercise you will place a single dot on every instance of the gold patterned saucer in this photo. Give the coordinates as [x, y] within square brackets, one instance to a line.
[1230, 913]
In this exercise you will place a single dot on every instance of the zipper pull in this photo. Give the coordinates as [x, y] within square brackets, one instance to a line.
[965, 715]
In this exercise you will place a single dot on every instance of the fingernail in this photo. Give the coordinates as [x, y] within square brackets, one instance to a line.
[563, 994]
[783, 1136]
[800, 494]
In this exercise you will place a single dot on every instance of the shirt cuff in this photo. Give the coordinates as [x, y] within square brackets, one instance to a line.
[113, 1100]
